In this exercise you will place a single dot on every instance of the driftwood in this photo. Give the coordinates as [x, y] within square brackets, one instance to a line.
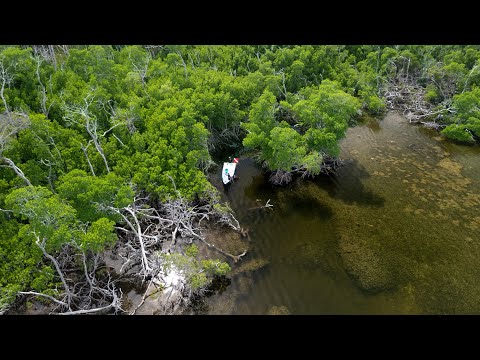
[266, 206]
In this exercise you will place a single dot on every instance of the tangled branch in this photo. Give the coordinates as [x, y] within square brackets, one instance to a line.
[404, 94]
[87, 290]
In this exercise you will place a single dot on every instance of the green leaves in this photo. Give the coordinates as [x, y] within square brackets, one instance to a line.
[287, 148]
[327, 106]
[197, 273]
[458, 132]
[262, 112]
[157, 113]
[55, 222]
[261, 122]
[467, 105]
[317, 119]
[215, 267]
[91, 195]
[467, 118]
[20, 259]
[49, 217]
[100, 234]
[39, 204]
[322, 140]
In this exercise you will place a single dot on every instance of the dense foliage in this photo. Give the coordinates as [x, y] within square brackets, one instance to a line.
[84, 129]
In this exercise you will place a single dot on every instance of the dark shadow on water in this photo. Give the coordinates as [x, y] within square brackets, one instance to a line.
[347, 185]
[259, 185]
[308, 208]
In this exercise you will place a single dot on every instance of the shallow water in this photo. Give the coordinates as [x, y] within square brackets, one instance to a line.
[396, 231]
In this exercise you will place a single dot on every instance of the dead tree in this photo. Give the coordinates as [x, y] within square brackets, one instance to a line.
[84, 292]
[7, 75]
[401, 92]
[82, 116]
[43, 90]
[147, 230]
[153, 49]
[128, 117]
[468, 77]
[182, 63]
[10, 125]
[282, 89]
[141, 67]
[47, 52]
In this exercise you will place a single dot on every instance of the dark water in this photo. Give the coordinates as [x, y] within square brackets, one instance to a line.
[396, 231]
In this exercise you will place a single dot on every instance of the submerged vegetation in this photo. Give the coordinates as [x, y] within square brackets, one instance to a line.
[108, 148]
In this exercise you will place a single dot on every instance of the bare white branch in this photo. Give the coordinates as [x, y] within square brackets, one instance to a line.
[82, 116]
